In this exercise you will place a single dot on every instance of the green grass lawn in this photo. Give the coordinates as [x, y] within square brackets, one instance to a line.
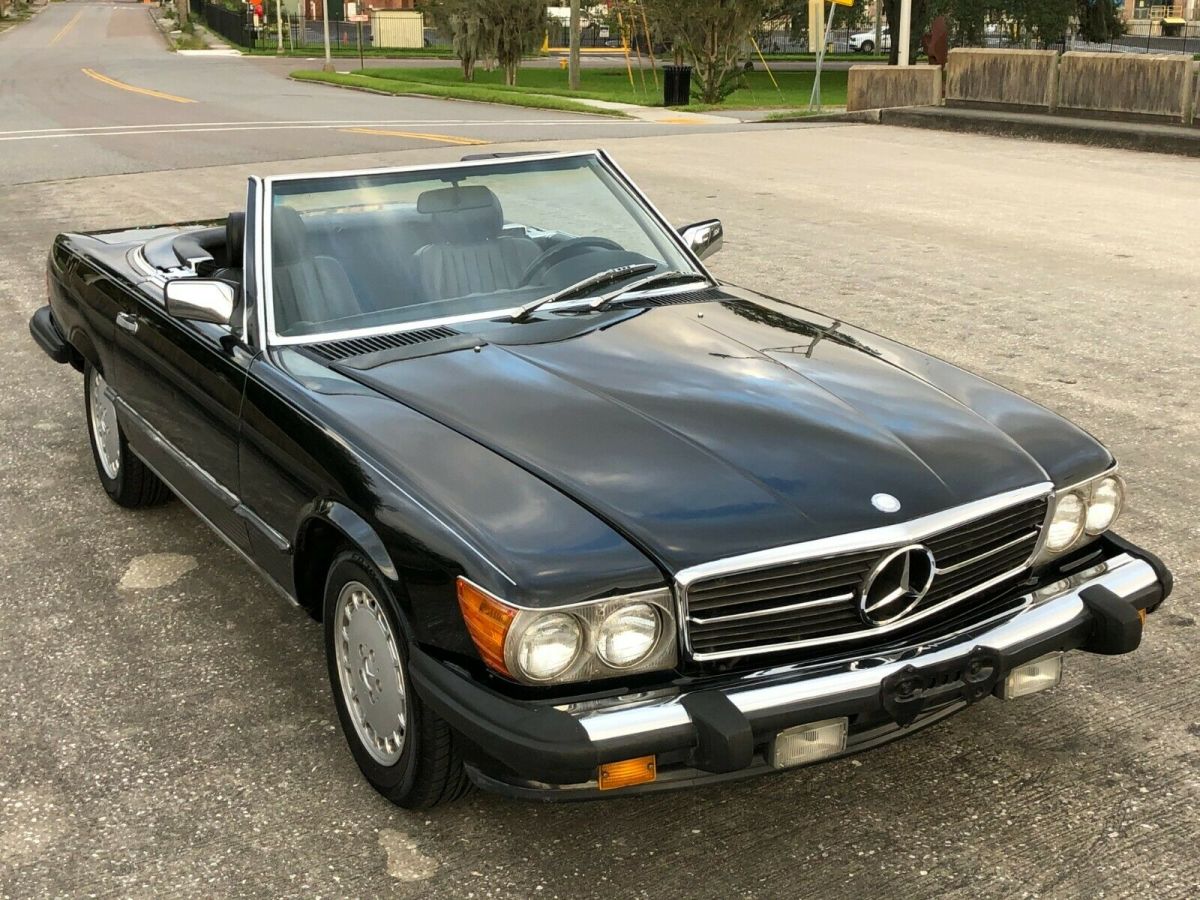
[344, 52]
[458, 91]
[614, 85]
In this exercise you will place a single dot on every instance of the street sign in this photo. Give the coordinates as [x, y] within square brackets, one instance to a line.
[361, 17]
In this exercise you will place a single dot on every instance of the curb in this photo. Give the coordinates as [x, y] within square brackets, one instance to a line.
[34, 12]
[1179, 140]
[371, 90]
[157, 20]
[871, 116]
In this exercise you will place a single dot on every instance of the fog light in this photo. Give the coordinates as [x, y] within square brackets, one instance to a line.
[808, 743]
[627, 772]
[1039, 675]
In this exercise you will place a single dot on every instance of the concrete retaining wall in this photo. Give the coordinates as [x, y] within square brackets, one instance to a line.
[1129, 86]
[885, 87]
[1011, 78]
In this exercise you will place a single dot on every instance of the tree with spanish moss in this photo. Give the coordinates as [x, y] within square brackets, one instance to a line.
[464, 22]
[516, 28]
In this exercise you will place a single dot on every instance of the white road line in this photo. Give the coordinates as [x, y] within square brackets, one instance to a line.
[185, 128]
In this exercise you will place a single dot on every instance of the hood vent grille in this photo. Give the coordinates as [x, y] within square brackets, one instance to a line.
[706, 295]
[333, 351]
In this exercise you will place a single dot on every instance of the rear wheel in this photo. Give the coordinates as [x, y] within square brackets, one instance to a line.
[405, 750]
[126, 479]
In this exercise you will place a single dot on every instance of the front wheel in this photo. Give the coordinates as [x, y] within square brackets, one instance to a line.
[868, 47]
[126, 479]
[405, 750]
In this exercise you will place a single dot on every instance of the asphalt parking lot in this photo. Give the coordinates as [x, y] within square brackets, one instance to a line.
[167, 728]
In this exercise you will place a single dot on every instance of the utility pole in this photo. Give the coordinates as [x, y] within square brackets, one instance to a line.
[328, 67]
[878, 26]
[279, 27]
[902, 39]
[573, 59]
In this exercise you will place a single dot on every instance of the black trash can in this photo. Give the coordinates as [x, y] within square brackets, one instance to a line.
[677, 85]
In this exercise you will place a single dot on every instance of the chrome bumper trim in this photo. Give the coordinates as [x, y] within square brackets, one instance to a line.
[1056, 607]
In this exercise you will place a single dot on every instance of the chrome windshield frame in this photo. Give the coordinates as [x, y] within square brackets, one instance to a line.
[262, 221]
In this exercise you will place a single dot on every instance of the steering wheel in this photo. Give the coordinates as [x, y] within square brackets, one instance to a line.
[559, 252]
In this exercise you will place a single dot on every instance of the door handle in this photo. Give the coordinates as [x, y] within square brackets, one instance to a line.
[127, 322]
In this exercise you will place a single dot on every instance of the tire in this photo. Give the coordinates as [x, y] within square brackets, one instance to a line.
[125, 478]
[867, 47]
[417, 764]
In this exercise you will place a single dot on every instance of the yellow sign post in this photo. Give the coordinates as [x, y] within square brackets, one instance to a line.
[814, 100]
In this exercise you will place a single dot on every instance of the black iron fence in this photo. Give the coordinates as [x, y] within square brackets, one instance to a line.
[298, 33]
[232, 25]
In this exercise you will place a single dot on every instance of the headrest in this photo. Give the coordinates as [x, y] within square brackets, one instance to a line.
[235, 239]
[463, 215]
[289, 237]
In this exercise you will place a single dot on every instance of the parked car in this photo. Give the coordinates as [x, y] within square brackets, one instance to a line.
[864, 41]
[577, 516]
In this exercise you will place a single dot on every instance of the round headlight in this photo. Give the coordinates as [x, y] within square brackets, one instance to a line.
[1105, 504]
[1067, 523]
[628, 635]
[549, 646]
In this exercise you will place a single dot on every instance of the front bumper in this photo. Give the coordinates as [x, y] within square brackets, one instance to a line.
[553, 752]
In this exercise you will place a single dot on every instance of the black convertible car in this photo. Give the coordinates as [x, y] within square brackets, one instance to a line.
[578, 517]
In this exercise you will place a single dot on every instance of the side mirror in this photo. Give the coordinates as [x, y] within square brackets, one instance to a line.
[200, 300]
[705, 238]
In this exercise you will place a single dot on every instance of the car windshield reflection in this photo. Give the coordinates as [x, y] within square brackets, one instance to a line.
[382, 249]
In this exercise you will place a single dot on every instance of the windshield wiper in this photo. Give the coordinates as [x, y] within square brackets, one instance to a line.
[604, 299]
[615, 274]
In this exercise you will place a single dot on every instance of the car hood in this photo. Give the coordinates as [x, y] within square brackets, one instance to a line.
[705, 430]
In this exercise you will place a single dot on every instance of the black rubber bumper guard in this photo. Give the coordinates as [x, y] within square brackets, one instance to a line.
[547, 745]
[47, 336]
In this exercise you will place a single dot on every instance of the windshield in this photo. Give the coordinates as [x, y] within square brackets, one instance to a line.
[376, 250]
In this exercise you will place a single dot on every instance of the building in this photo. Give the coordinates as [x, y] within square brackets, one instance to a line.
[1180, 18]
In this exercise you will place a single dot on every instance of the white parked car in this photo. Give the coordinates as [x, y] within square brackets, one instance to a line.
[864, 41]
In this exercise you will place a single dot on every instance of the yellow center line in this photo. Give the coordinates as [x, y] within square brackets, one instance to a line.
[104, 79]
[420, 135]
[62, 32]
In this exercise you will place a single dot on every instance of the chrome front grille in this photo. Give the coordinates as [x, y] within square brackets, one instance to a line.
[814, 599]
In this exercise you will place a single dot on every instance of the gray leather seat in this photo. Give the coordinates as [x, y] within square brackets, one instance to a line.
[307, 288]
[471, 255]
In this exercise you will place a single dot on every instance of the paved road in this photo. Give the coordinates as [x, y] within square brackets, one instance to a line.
[88, 89]
[166, 724]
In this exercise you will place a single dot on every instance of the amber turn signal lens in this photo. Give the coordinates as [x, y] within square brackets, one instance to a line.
[487, 620]
[627, 772]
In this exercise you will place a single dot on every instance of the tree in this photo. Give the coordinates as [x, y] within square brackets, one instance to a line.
[504, 30]
[712, 35]
[463, 21]
[516, 28]
[920, 18]
[1099, 20]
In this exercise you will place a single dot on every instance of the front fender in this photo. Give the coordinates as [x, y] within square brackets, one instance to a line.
[356, 530]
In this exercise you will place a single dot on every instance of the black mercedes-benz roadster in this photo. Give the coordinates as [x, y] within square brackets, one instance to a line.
[577, 516]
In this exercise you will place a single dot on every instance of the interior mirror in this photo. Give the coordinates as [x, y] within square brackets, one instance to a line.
[705, 238]
[200, 300]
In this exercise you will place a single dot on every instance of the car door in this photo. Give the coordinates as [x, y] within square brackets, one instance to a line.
[179, 386]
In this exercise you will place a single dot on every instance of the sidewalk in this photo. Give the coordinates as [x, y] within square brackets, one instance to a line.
[658, 114]
[1176, 139]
